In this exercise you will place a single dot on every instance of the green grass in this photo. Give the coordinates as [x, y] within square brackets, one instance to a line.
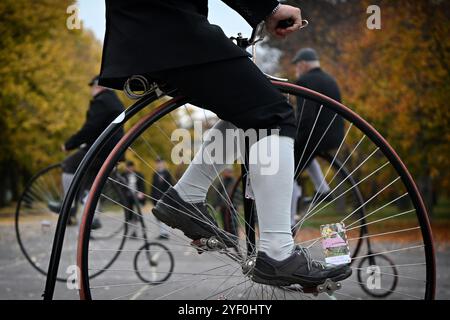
[331, 214]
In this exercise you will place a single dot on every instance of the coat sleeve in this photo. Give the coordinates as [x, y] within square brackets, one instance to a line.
[253, 11]
[89, 129]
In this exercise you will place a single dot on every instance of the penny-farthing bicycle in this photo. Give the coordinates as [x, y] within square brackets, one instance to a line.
[395, 257]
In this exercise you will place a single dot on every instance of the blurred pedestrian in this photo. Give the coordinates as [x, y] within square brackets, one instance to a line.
[162, 181]
[135, 195]
[104, 107]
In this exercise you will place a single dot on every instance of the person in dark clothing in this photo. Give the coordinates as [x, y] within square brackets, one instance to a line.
[104, 107]
[328, 132]
[171, 42]
[161, 182]
[134, 195]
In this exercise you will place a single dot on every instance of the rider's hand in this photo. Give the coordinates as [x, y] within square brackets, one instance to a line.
[284, 12]
[63, 148]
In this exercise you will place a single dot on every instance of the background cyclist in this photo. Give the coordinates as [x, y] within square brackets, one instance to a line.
[103, 108]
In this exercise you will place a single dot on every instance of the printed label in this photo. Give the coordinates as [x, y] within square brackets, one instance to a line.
[335, 244]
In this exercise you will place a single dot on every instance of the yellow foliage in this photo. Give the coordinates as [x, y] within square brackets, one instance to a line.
[399, 79]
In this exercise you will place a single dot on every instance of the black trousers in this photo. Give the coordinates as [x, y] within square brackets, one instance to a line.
[71, 163]
[237, 91]
[306, 151]
[130, 215]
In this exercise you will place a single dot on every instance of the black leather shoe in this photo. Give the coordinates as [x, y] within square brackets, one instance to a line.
[299, 268]
[191, 218]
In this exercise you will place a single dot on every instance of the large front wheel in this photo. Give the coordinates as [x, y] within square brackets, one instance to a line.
[394, 224]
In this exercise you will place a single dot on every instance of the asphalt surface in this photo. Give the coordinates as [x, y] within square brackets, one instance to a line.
[194, 276]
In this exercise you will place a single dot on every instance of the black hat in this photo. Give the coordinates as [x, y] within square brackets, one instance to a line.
[94, 81]
[306, 54]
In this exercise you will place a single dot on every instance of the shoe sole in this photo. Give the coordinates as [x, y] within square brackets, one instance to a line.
[178, 221]
[305, 283]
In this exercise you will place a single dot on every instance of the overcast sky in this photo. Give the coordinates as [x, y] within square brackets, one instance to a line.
[92, 12]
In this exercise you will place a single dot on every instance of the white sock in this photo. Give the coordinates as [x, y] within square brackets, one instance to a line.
[317, 177]
[273, 194]
[296, 194]
[201, 173]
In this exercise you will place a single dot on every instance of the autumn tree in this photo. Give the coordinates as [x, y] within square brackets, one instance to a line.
[397, 77]
[44, 96]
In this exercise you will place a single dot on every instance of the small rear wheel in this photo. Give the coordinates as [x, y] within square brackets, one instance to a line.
[153, 263]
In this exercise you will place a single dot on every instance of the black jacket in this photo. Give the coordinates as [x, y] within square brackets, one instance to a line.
[161, 183]
[103, 109]
[322, 82]
[144, 36]
[140, 185]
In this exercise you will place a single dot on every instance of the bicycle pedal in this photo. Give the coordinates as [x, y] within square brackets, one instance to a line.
[207, 244]
[248, 266]
[328, 287]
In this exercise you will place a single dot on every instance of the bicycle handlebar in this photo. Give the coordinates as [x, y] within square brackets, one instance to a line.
[244, 43]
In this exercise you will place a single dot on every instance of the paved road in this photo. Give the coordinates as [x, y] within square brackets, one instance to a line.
[213, 273]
